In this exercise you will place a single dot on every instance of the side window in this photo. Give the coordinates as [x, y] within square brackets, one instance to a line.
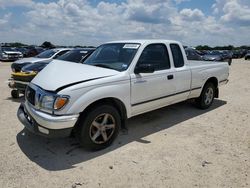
[155, 55]
[177, 55]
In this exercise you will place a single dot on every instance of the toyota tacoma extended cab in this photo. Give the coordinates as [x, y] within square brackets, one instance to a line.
[118, 81]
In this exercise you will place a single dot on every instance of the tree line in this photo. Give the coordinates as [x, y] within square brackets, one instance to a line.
[229, 47]
[48, 44]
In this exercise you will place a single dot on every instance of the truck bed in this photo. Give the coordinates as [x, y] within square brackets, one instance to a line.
[204, 63]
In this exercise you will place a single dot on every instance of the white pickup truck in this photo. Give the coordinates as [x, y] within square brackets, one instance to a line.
[118, 81]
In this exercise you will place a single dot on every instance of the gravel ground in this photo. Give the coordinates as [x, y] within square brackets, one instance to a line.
[177, 146]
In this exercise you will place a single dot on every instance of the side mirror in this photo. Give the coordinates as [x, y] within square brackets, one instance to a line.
[144, 68]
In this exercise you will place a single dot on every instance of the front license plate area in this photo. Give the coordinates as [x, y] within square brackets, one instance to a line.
[30, 120]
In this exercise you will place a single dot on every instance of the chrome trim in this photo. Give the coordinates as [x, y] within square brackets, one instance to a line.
[51, 121]
[20, 82]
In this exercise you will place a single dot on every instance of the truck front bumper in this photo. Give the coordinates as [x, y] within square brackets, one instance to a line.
[45, 124]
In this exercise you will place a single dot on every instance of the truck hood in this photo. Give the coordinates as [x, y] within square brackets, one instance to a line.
[30, 60]
[61, 74]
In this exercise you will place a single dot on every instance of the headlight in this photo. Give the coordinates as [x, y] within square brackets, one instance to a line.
[47, 102]
[4, 55]
[53, 102]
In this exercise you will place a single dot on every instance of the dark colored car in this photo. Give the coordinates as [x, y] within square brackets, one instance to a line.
[239, 53]
[247, 56]
[216, 56]
[75, 56]
[33, 51]
[227, 55]
[193, 54]
[23, 50]
[21, 79]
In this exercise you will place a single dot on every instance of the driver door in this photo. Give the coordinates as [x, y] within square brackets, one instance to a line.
[152, 90]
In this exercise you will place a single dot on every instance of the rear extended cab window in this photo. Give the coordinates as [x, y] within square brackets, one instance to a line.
[177, 55]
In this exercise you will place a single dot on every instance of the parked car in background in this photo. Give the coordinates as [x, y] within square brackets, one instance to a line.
[9, 53]
[216, 56]
[192, 54]
[227, 55]
[33, 51]
[19, 80]
[236, 54]
[247, 56]
[46, 55]
[23, 50]
[239, 53]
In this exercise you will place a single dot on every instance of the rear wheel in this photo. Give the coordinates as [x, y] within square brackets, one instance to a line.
[207, 96]
[15, 94]
[99, 128]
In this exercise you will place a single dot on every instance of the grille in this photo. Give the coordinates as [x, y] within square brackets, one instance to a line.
[30, 95]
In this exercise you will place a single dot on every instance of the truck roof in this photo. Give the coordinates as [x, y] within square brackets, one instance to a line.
[144, 41]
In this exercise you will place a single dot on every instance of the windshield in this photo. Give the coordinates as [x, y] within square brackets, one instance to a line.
[117, 56]
[74, 55]
[47, 54]
[8, 49]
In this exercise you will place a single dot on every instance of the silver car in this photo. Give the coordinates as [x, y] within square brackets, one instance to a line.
[9, 54]
[46, 55]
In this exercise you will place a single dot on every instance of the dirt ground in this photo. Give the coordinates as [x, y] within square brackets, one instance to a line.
[177, 146]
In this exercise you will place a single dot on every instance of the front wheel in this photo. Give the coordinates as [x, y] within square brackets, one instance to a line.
[207, 96]
[15, 94]
[99, 127]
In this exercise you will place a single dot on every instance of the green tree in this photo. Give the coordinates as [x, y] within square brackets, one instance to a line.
[47, 44]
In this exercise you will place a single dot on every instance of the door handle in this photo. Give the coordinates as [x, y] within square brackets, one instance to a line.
[170, 77]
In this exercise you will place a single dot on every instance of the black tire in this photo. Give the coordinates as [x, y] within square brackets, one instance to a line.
[229, 62]
[204, 102]
[15, 94]
[86, 130]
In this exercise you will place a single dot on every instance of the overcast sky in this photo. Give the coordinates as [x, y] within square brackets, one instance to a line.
[86, 22]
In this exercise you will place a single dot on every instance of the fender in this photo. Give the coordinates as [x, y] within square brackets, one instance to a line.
[119, 91]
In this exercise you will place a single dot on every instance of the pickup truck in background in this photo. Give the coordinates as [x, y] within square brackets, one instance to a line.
[117, 81]
[9, 53]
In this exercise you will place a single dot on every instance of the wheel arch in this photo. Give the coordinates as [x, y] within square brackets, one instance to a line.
[117, 103]
[214, 81]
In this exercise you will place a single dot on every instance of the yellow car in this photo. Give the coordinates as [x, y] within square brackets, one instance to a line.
[19, 80]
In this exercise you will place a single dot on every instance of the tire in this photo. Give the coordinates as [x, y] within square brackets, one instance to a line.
[229, 62]
[91, 130]
[15, 94]
[207, 96]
